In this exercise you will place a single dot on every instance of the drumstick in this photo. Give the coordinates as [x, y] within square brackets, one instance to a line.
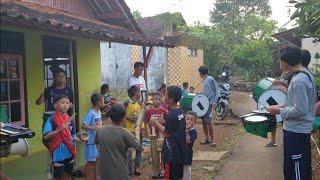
[153, 130]
[72, 117]
[139, 120]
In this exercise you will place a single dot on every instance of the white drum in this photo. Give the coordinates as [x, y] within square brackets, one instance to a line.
[200, 105]
[271, 97]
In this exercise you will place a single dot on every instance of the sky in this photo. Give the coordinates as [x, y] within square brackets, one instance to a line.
[194, 10]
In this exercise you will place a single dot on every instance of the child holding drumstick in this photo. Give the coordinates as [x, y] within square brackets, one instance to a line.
[160, 114]
[57, 131]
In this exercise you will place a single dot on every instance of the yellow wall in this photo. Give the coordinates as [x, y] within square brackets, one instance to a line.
[89, 72]
[88, 61]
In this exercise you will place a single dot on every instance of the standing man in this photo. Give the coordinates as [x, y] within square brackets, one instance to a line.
[298, 113]
[211, 90]
[57, 88]
[137, 80]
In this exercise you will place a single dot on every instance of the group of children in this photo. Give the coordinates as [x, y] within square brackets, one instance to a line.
[111, 147]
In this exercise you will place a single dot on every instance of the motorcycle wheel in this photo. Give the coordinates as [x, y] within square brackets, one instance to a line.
[221, 110]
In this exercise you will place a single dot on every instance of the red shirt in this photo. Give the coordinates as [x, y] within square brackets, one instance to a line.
[159, 112]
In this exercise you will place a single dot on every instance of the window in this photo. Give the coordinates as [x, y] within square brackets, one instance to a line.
[12, 89]
[12, 82]
[56, 54]
[192, 52]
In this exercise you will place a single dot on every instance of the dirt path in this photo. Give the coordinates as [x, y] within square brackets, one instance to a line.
[250, 160]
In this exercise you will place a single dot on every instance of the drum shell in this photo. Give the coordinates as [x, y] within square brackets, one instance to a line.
[259, 128]
[187, 101]
[261, 87]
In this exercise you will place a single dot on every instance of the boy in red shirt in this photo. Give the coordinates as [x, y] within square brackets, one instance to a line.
[157, 112]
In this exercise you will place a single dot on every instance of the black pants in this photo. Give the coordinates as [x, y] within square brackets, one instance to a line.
[297, 156]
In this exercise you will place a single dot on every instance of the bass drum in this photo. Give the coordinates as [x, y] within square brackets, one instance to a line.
[272, 97]
[200, 105]
[187, 101]
[261, 87]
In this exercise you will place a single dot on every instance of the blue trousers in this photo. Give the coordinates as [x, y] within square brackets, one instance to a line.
[297, 156]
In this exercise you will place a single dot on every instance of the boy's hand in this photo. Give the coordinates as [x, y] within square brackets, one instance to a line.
[64, 126]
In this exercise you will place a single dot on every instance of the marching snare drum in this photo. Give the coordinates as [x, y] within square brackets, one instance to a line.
[200, 104]
[258, 124]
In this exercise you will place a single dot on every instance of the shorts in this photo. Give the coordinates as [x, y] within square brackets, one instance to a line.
[207, 118]
[63, 166]
[92, 153]
[173, 171]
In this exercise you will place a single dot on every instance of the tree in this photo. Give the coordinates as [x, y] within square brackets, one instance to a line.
[254, 58]
[136, 14]
[308, 18]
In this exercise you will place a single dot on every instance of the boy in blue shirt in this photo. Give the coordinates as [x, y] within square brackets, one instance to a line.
[58, 131]
[174, 145]
[191, 136]
[91, 123]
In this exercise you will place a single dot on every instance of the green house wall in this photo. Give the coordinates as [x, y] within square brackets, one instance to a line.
[88, 70]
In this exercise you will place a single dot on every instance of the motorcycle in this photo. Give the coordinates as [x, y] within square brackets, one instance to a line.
[222, 108]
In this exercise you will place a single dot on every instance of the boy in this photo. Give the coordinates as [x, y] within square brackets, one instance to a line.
[191, 136]
[160, 114]
[133, 109]
[191, 89]
[156, 112]
[114, 141]
[298, 114]
[174, 145]
[91, 123]
[104, 91]
[56, 130]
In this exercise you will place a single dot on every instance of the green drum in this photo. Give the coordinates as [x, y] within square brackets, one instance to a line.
[261, 87]
[45, 117]
[187, 101]
[258, 125]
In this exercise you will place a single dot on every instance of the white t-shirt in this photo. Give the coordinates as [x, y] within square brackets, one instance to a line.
[139, 82]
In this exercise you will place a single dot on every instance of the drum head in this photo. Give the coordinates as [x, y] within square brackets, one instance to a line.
[255, 119]
[200, 105]
[272, 97]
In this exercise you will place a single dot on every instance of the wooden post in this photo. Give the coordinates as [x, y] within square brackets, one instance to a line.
[154, 151]
[144, 53]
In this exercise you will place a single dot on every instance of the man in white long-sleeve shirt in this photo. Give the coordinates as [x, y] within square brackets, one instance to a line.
[298, 113]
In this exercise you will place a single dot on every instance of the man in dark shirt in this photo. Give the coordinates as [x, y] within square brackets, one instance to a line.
[58, 88]
[174, 146]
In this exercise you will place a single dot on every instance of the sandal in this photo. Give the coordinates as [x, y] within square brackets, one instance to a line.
[78, 173]
[270, 145]
[158, 176]
[213, 144]
[205, 142]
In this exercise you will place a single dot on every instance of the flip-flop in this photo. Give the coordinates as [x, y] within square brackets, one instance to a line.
[270, 145]
[78, 173]
[205, 142]
[213, 144]
[158, 176]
